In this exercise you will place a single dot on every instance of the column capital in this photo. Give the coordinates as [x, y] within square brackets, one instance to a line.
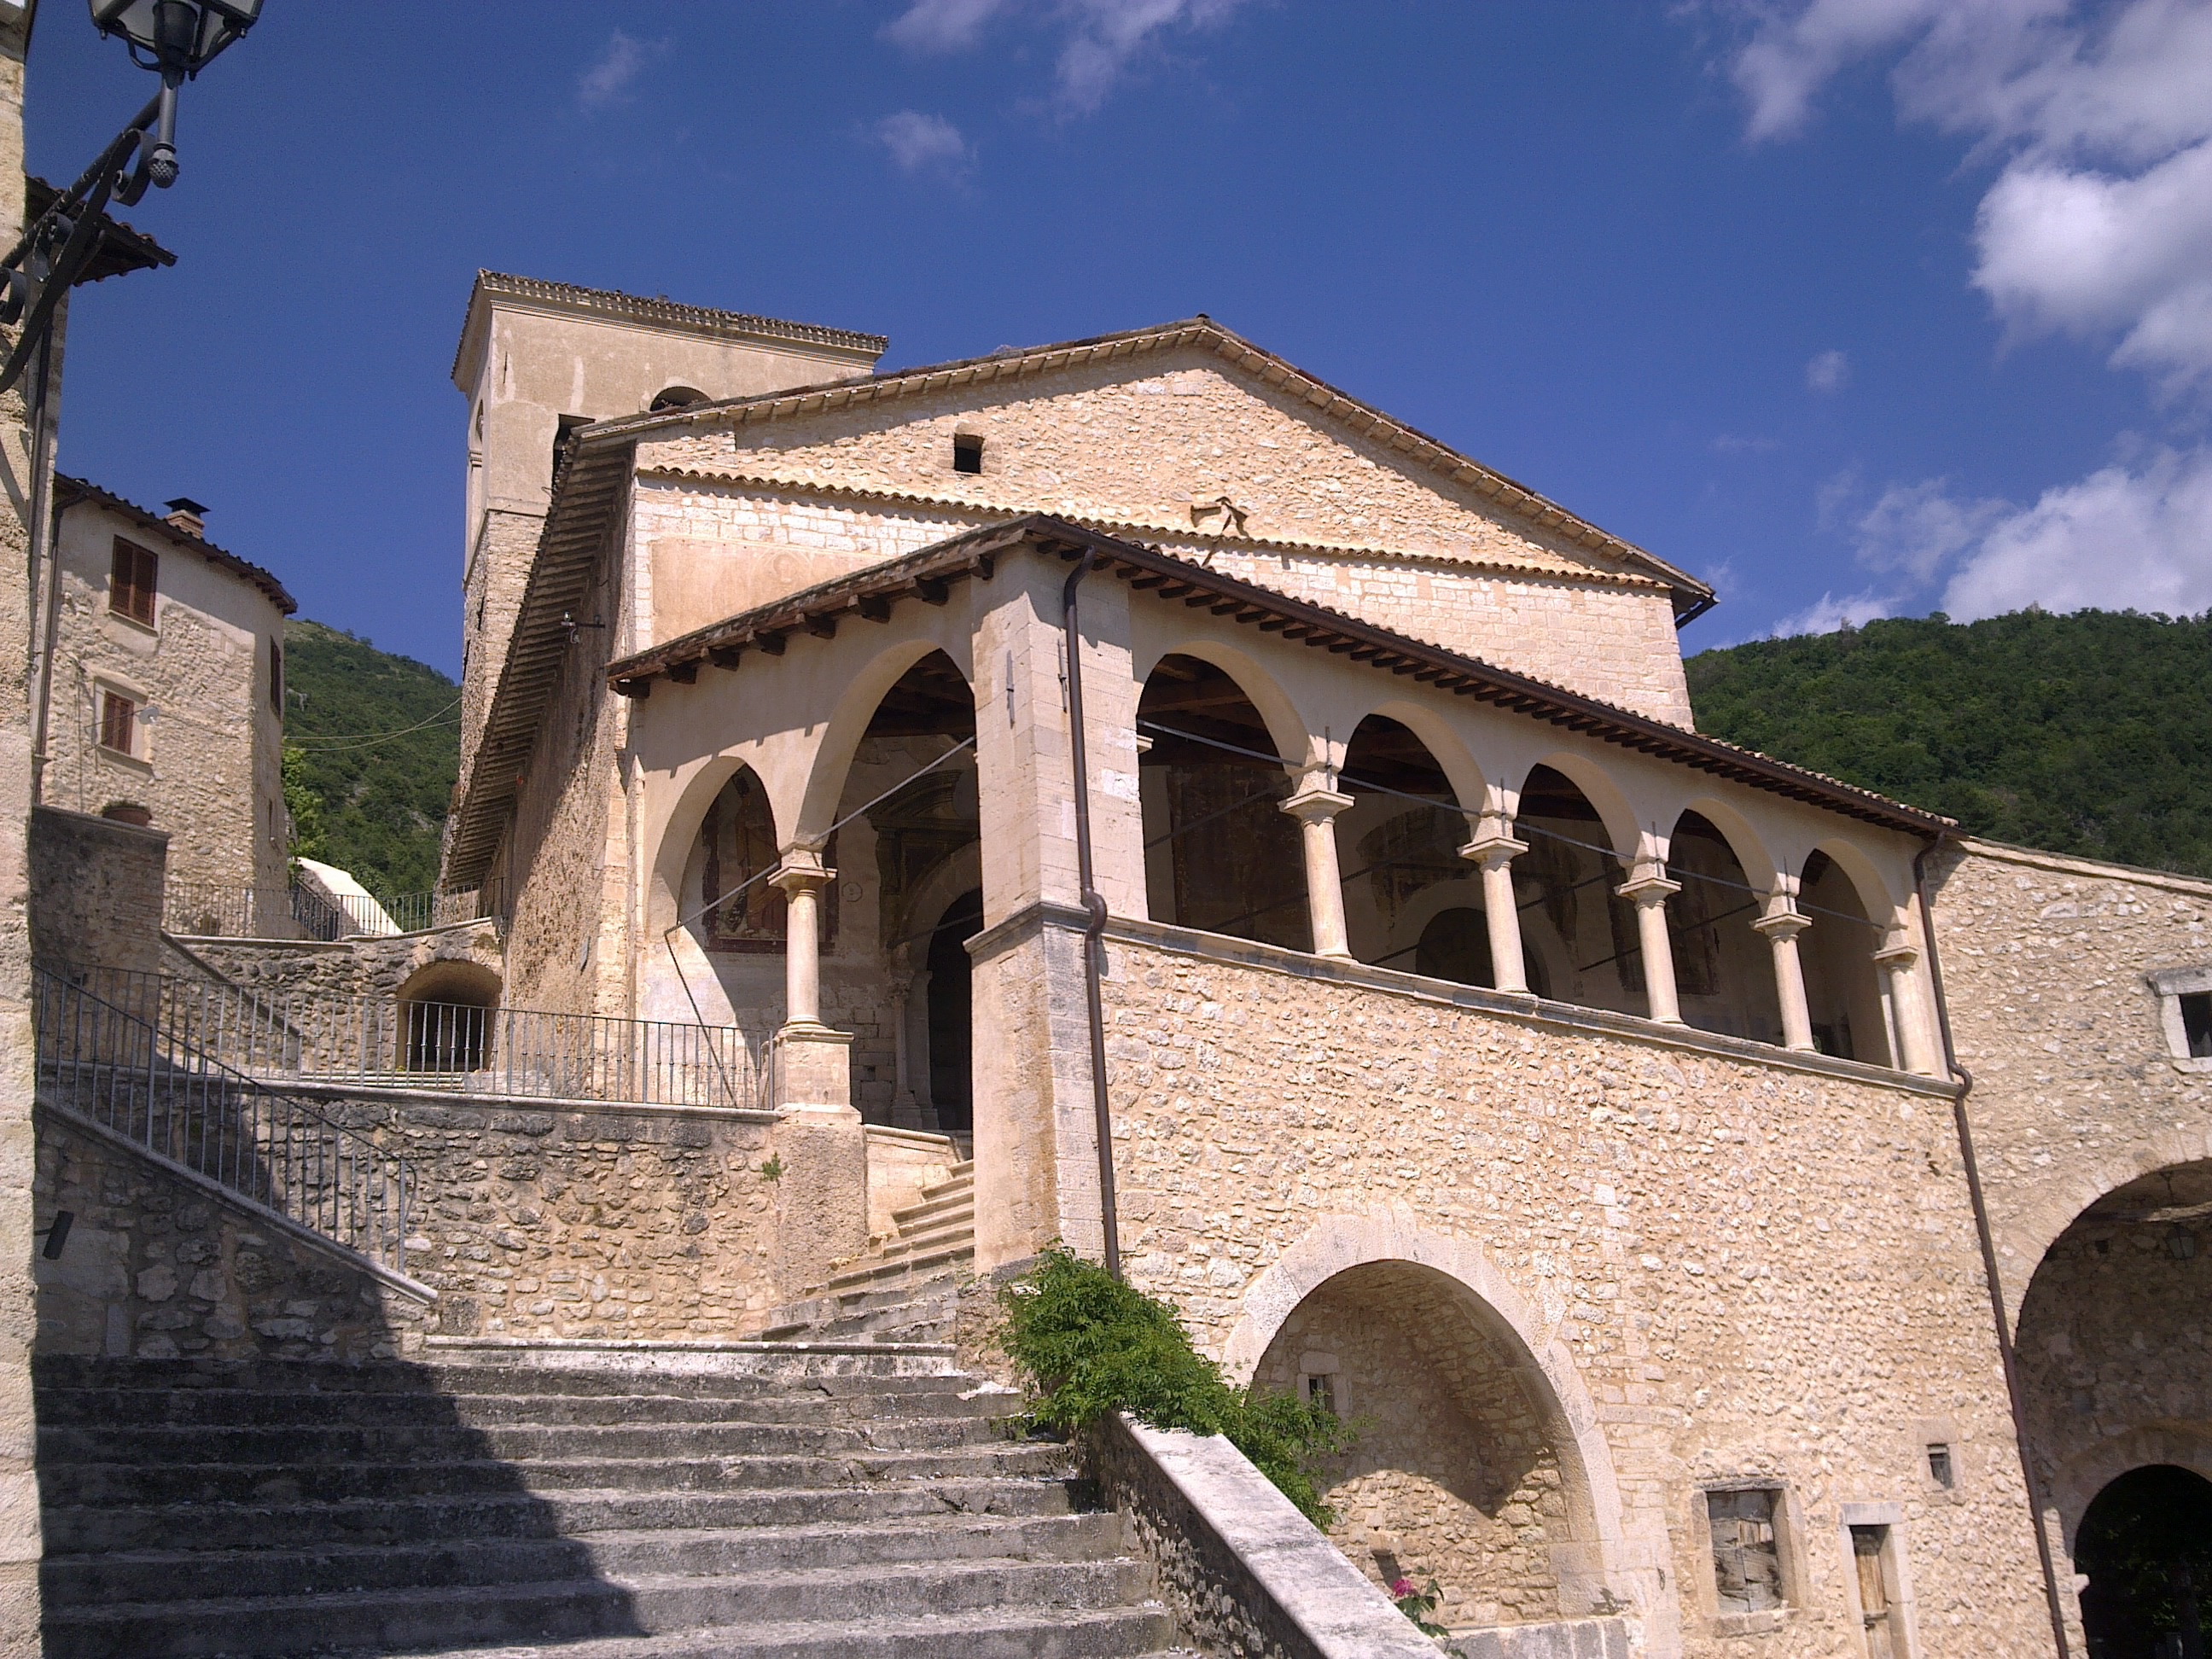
[802, 870]
[1493, 844]
[1896, 951]
[1650, 888]
[1315, 804]
[1782, 924]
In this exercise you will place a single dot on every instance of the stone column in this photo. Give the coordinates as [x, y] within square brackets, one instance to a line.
[802, 879]
[1315, 806]
[1494, 849]
[1898, 959]
[1649, 889]
[1782, 924]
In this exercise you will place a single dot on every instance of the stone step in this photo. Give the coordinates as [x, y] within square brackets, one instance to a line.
[776, 1364]
[896, 1314]
[565, 1610]
[98, 1484]
[519, 1369]
[1044, 1633]
[949, 1229]
[960, 1178]
[239, 1407]
[871, 1272]
[961, 1202]
[527, 1444]
[283, 1569]
[79, 1529]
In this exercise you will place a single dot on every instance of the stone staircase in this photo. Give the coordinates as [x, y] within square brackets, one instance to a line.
[743, 1505]
[906, 1288]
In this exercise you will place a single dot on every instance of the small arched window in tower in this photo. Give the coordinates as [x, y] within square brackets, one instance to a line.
[967, 451]
[675, 396]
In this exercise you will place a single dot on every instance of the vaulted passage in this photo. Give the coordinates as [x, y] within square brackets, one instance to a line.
[1219, 854]
[2146, 1545]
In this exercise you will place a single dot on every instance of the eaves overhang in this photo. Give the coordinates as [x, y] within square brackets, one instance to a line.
[71, 492]
[1691, 598]
[926, 576]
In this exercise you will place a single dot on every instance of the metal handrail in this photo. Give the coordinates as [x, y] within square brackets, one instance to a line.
[115, 1064]
[334, 1037]
[220, 910]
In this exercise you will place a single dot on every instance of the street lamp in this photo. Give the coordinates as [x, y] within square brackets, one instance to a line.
[178, 38]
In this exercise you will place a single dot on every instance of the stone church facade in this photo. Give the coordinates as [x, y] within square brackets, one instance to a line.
[1571, 1098]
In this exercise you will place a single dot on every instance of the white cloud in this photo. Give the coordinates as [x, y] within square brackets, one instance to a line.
[1828, 613]
[2099, 223]
[942, 25]
[1101, 39]
[611, 74]
[2119, 539]
[1919, 528]
[923, 143]
[1828, 372]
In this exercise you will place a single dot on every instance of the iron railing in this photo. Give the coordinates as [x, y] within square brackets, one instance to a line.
[326, 1038]
[107, 1061]
[218, 910]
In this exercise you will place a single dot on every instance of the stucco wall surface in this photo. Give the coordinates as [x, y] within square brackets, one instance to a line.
[1749, 1270]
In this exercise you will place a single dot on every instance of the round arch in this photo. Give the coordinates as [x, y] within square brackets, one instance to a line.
[2060, 1196]
[1604, 795]
[1760, 868]
[848, 724]
[1884, 907]
[2074, 1486]
[1286, 727]
[664, 899]
[1335, 1244]
[1444, 744]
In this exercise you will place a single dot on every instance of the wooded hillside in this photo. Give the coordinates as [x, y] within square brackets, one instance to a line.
[2089, 733]
[374, 742]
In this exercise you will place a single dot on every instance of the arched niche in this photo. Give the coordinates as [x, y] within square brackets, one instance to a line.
[1724, 970]
[1219, 853]
[1480, 1352]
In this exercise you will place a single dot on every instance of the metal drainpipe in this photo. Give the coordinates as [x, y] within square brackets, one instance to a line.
[1965, 1083]
[1094, 907]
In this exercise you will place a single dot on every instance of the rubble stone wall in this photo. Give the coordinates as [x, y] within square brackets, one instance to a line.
[1752, 1267]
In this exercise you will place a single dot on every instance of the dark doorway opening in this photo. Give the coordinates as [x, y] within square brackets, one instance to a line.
[2146, 1544]
[951, 1001]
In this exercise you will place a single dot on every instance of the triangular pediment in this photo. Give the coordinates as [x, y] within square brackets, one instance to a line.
[1186, 433]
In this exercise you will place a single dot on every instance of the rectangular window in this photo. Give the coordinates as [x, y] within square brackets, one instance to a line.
[1939, 1466]
[118, 723]
[276, 674]
[132, 582]
[967, 452]
[2196, 1024]
[1747, 1549]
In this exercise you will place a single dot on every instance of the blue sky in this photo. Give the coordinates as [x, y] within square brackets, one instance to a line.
[1852, 306]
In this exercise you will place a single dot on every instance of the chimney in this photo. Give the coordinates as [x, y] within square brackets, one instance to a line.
[188, 515]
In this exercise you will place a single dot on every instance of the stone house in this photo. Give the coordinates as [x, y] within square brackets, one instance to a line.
[167, 705]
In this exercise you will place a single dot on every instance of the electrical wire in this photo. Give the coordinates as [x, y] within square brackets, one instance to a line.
[368, 739]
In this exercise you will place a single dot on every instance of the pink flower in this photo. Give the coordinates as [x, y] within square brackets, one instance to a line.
[1402, 1587]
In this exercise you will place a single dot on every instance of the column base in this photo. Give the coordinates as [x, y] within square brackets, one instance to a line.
[813, 1071]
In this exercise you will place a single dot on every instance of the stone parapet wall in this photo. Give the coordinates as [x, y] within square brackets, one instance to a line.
[345, 968]
[158, 1266]
[1725, 1268]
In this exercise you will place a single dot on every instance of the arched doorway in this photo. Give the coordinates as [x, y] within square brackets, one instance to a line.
[445, 1017]
[1457, 1470]
[2145, 1544]
[1219, 854]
